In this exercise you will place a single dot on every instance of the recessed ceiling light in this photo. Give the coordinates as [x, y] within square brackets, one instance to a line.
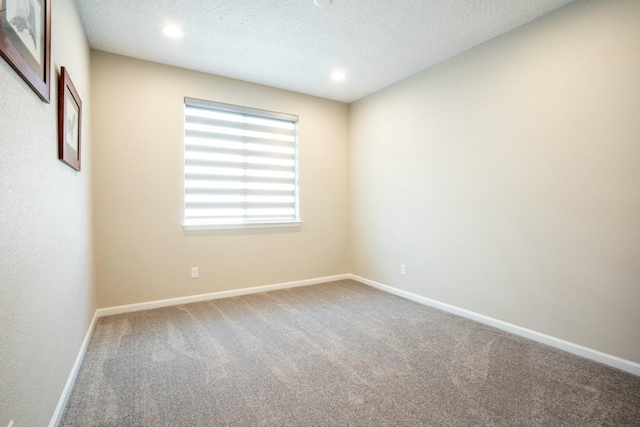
[173, 32]
[338, 76]
[322, 3]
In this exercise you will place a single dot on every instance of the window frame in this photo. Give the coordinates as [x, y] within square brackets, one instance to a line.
[259, 113]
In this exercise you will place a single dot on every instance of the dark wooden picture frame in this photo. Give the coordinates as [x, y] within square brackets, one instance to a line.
[69, 122]
[25, 41]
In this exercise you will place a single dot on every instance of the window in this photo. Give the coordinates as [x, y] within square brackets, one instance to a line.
[240, 167]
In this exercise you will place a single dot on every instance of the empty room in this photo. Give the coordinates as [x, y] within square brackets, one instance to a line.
[319, 213]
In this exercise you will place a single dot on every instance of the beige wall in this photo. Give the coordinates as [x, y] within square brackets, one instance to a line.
[507, 179]
[46, 291]
[142, 252]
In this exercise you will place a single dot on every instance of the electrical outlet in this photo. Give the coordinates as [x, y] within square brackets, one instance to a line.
[403, 269]
[194, 272]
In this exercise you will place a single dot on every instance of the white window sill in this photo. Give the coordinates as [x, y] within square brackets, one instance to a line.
[283, 224]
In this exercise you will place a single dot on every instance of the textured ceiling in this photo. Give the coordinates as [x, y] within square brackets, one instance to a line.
[294, 45]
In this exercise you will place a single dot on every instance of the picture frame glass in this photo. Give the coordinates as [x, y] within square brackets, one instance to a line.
[23, 23]
[72, 112]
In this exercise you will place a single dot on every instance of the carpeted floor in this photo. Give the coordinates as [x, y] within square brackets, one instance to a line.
[335, 354]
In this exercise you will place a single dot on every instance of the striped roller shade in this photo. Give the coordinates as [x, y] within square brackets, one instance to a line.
[240, 166]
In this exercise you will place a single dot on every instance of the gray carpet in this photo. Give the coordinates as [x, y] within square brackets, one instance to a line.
[335, 354]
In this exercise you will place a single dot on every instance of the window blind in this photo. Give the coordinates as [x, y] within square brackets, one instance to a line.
[240, 166]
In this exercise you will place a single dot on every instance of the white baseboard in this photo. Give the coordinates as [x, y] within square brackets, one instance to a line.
[66, 392]
[587, 353]
[215, 295]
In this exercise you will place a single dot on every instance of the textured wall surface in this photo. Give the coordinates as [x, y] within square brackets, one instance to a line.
[507, 179]
[46, 290]
[142, 252]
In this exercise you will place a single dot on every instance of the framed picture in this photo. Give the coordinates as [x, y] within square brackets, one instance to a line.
[25, 41]
[69, 122]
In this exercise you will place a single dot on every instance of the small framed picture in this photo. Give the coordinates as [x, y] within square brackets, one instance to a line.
[25, 41]
[69, 122]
